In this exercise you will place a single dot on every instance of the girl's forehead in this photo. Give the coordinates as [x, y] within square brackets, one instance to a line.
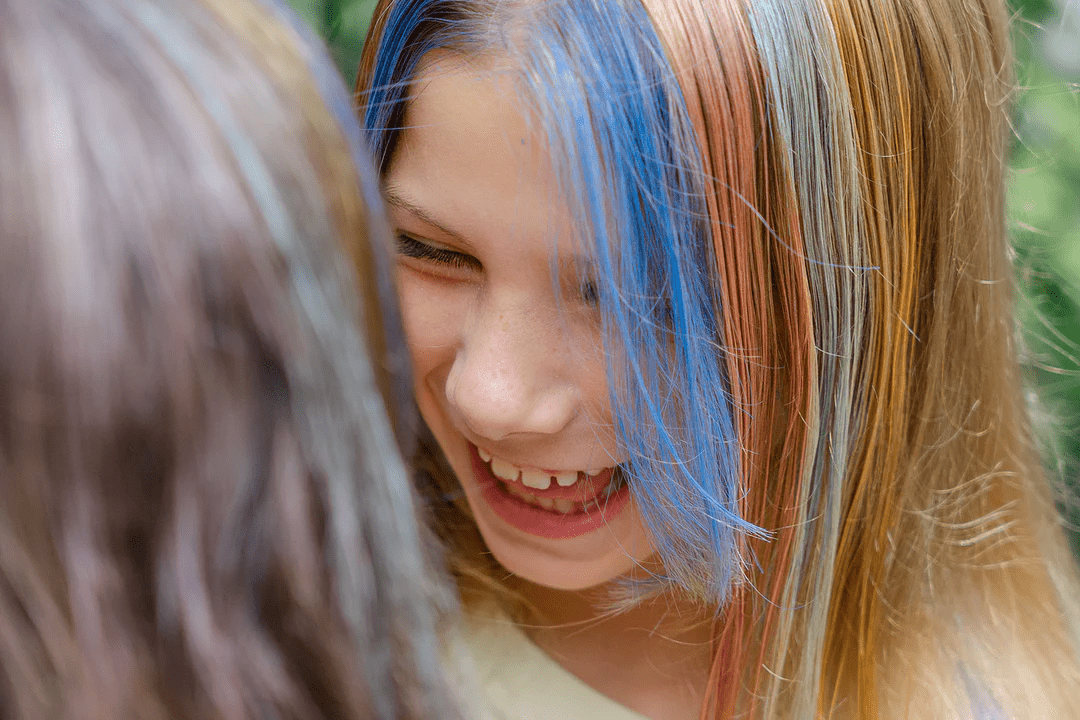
[470, 155]
[476, 93]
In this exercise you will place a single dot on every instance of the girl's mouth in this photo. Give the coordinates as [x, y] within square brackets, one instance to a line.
[555, 505]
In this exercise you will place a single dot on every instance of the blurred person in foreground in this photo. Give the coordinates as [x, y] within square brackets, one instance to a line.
[203, 508]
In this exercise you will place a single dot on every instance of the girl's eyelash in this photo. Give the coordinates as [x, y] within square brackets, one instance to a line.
[411, 247]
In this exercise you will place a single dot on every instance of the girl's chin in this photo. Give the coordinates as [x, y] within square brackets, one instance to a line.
[559, 574]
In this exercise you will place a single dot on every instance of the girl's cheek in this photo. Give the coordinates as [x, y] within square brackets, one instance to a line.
[597, 399]
[433, 312]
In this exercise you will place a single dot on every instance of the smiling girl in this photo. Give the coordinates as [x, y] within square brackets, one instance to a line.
[709, 309]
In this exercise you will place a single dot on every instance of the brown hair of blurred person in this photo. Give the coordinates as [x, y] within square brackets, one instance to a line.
[203, 508]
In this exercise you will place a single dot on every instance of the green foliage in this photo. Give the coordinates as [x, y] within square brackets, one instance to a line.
[1044, 207]
[342, 24]
[1034, 10]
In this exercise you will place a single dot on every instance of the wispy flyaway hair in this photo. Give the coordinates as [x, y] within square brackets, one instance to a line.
[797, 209]
[204, 512]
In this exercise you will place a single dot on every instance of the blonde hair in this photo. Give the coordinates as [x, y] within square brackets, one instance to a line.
[894, 123]
[848, 160]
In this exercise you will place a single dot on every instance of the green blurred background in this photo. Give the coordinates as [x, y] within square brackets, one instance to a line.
[1044, 209]
[343, 24]
[1044, 203]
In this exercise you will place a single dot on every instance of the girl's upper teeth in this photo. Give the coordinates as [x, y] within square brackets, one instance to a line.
[504, 470]
[566, 479]
[537, 479]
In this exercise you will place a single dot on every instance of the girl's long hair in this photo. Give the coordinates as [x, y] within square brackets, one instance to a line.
[800, 205]
[204, 512]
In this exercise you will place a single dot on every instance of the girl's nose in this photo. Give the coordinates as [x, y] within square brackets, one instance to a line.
[510, 376]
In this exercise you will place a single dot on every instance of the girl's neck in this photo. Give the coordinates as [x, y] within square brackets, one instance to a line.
[653, 659]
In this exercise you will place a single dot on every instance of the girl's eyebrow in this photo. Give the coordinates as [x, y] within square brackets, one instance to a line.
[393, 198]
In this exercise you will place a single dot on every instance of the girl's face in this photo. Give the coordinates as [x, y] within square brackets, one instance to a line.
[510, 372]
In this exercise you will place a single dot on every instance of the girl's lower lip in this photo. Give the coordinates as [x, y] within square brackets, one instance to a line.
[538, 521]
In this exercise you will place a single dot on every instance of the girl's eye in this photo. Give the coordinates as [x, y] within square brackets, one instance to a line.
[411, 247]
